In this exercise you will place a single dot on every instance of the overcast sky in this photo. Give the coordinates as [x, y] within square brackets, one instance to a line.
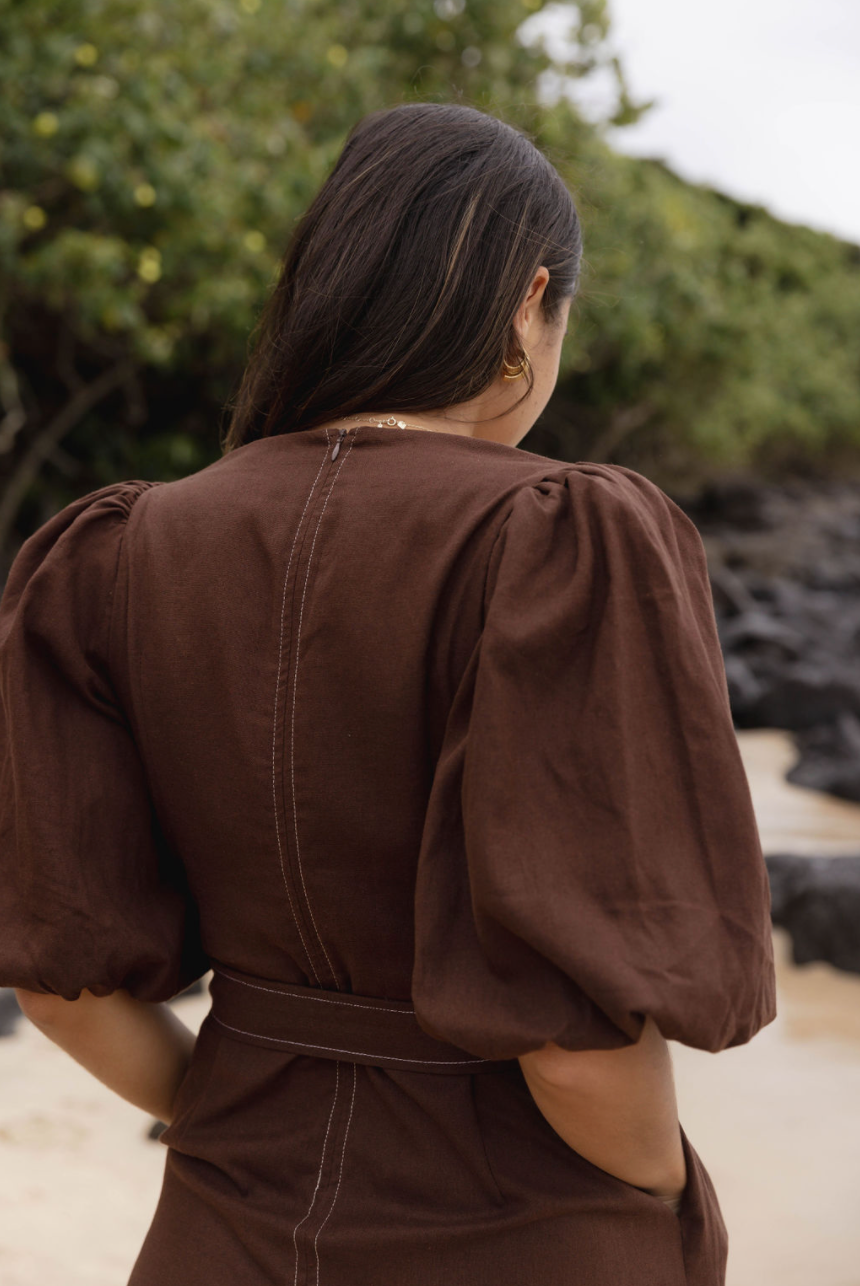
[760, 98]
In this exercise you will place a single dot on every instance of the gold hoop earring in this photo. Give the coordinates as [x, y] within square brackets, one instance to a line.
[511, 372]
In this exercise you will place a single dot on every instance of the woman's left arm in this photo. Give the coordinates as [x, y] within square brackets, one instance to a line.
[138, 1048]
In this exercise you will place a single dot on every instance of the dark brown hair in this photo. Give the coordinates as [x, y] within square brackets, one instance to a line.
[400, 284]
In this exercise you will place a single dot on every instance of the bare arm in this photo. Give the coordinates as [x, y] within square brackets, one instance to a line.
[138, 1049]
[616, 1107]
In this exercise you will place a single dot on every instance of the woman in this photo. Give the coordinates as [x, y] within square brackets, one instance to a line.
[422, 743]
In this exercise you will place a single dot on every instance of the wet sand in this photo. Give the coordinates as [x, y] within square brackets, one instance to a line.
[793, 819]
[776, 1121]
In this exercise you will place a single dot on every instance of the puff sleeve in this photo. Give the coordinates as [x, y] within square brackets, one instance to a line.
[91, 895]
[590, 853]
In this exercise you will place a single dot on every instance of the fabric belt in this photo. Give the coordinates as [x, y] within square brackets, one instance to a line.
[333, 1024]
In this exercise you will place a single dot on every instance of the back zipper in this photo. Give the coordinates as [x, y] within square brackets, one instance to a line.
[340, 437]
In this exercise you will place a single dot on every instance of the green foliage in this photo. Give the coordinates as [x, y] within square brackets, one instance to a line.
[711, 335]
[156, 156]
[155, 159]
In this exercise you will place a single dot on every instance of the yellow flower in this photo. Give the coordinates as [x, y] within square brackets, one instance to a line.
[149, 264]
[34, 217]
[144, 194]
[255, 241]
[337, 55]
[84, 173]
[86, 54]
[46, 124]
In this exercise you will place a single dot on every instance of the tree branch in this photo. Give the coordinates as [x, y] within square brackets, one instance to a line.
[49, 437]
[625, 421]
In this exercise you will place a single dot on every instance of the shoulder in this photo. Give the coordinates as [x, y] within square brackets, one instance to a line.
[590, 497]
[97, 513]
[586, 523]
[72, 558]
[612, 488]
[114, 501]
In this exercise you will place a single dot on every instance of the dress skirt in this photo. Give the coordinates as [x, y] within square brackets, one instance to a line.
[381, 1159]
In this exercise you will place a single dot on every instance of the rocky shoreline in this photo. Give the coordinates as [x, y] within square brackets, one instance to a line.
[784, 563]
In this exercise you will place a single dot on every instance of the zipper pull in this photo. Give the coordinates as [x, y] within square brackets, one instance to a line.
[340, 437]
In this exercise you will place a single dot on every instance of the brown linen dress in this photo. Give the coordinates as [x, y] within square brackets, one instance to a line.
[424, 747]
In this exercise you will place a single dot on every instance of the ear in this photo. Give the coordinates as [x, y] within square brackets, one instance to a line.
[528, 312]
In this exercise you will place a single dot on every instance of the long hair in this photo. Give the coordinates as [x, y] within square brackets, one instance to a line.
[401, 281]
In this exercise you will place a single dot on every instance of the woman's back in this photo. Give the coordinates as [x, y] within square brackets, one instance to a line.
[297, 628]
[380, 711]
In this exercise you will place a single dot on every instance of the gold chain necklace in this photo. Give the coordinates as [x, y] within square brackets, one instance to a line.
[381, 423]
[391, 422]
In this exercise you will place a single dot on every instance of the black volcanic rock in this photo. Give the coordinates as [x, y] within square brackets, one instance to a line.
[784, 563]
[817, 899]
[830, 758]
[10, 1011]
